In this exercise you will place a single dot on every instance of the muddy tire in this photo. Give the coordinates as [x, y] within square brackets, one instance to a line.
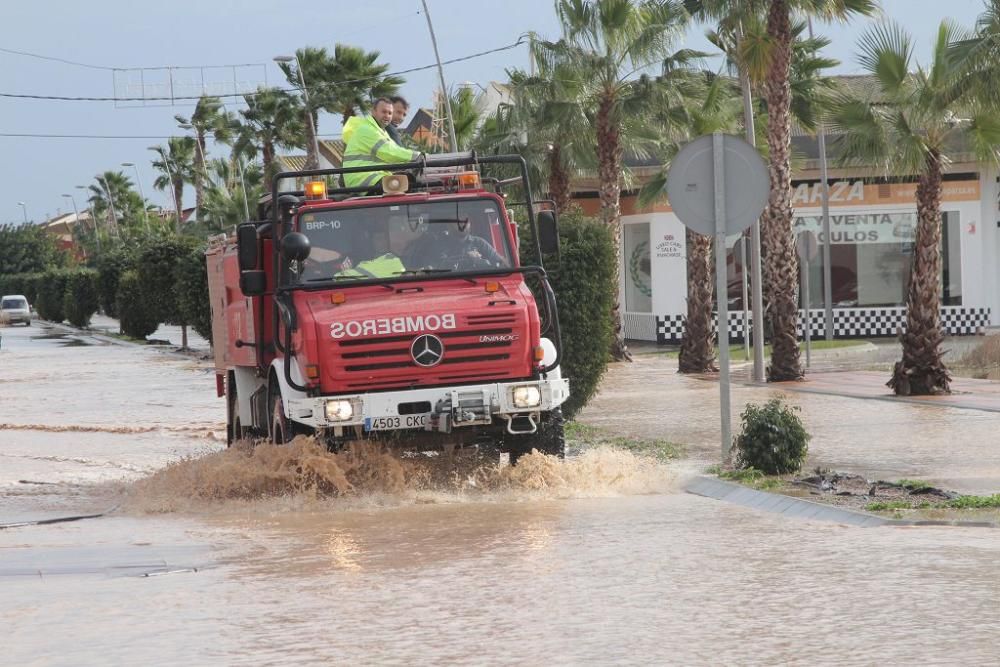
[281, 429]
[549, 439]
[234, 431]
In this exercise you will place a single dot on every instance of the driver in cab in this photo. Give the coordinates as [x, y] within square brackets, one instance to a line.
[391, 245]
[453, 247]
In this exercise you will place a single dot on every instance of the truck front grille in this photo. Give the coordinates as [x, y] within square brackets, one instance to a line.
[385, 362]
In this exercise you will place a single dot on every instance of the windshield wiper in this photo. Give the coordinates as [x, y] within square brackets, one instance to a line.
[418, 272]
[333, 278]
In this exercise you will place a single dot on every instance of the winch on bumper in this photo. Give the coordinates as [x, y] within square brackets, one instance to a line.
[437, 409]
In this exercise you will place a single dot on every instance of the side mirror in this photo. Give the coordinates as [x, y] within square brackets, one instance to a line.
[295, 246]
[246, 246]
[253, 283]
[548, 232]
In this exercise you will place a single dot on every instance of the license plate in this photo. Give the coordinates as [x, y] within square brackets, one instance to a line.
[392, 423]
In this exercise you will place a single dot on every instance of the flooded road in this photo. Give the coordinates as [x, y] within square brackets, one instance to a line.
[595, 561]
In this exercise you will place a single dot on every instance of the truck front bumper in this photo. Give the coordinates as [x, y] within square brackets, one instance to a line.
[438, 408]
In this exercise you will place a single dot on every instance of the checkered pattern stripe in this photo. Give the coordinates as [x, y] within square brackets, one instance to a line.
[847, 323]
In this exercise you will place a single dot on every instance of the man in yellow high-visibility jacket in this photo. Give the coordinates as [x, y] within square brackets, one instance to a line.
[368, 144]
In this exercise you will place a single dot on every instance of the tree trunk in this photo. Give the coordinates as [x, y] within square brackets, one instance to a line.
[609, 169]
[267, 158]
[312, 159]
[199, 173]
[558, 180]
[921, 371]
[780, 279]
[697, 347]
[184, 337]
[178, 198]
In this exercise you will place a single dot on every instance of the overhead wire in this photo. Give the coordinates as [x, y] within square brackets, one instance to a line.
[40, 135]
[69, 98]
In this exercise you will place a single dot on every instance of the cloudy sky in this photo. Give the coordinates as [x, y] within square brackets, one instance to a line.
[104, 34]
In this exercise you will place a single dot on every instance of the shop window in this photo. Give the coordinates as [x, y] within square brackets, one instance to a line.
[637, 270]
[870, 261]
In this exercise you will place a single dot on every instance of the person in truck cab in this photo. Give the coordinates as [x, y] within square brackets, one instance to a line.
[368, 144]
[391, 245]
[400, 107]
[453, 247]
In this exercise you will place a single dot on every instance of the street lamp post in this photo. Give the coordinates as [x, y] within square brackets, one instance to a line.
[24, 210]
[138, 180]
[93, 217]
[173, 191]
[305, 96]
[76, 212]
[111, 201]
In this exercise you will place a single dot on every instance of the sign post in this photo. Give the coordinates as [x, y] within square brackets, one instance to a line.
[807, 247]
[717, 186]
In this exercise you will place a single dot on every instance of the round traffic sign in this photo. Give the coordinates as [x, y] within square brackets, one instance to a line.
[691, 185]
[806, 245]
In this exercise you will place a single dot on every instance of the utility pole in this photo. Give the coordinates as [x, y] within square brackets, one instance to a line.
[827, 263]
[757, 293]
[444, 88]
[305, 97]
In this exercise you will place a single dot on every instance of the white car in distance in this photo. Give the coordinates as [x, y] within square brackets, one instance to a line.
[14, 309]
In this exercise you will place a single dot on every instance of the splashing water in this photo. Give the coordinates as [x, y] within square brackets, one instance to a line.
[305, 472]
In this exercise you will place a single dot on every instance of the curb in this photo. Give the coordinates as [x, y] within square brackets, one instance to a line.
[717, 489]
[111, 340]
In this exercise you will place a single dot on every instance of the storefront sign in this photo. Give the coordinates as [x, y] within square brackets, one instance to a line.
[862, 227]
[668, 246]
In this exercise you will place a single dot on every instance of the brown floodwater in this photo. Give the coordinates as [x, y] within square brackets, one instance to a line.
[292, 555]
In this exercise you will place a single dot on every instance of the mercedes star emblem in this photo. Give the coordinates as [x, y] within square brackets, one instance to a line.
[427, 350]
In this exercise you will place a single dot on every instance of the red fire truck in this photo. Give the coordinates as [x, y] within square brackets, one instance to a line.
[402, 315]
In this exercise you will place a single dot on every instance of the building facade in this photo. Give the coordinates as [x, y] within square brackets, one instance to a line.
[872, 228]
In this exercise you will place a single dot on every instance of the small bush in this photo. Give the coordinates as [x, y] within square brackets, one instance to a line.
[80, 300]
[51, 288]
[773, 439]
[137, 316]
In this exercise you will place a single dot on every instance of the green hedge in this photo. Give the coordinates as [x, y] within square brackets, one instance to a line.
[583, 281]
[136, 313]
[110, 266]
[25, 284]
[51, 290]
[192, 292]
[157, 267]
[80, 298]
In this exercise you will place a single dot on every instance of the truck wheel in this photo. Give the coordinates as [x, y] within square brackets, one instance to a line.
[233, 427]
[549, 439]
[281, 431]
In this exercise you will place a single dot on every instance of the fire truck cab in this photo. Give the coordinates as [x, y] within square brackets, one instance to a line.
[402, 315]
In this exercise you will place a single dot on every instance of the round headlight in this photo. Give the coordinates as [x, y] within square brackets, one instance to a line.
[339, 410]
[527, 396]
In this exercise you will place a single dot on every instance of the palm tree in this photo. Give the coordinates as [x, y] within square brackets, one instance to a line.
[913, 124]
[112, 196]
[541, 123]
[356, 78]
[176, 166]
[773, 61]
[272, 118]
[606, 43]
[715, 109]
[207, 119]
[225, 199]
[343, 84]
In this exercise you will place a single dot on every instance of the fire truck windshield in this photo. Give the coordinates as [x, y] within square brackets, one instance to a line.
[404, 239]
